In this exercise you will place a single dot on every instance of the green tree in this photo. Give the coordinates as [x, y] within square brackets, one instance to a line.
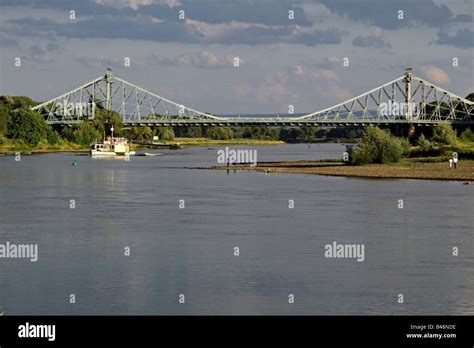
[377, 146]
[17, 102]
[7, 100]
[9, 103]
[290, 134]
[219, 133]
[351, 134]
[27, 126]
[444, 134]
[52, 136]
[4, 119]
[68, 133]
[104, 120]
[423, 143]
[85, 134]
[139, 133]
[165, 133]
[405, 146]
[196, 132]
[467, 135]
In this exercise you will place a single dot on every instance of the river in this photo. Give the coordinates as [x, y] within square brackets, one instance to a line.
[84, 218]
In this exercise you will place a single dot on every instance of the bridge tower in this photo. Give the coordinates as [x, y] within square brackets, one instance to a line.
[109, 77]
[408, 98]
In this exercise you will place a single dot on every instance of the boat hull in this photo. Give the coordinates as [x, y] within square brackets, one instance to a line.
[95, 153]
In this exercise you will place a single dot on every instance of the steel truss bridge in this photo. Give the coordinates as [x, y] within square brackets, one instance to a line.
[406, 100]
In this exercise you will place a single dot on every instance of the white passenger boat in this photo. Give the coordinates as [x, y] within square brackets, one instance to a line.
[111, 146]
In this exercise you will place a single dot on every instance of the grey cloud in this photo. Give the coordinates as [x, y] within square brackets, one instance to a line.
[370, 41]
[204, 60]
[265, 12]
[319, 37]
[42, 53]
[256, 35]
[268, 12]
[463, 38]
[82, 7]
[101, 62]
[109, 27]
[463, 18]
[7, 41]
[384, 13]
[141, 29]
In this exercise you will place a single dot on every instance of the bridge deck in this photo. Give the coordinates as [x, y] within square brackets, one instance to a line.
[274, 122]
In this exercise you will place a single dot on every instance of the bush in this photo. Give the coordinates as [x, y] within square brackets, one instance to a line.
[406, 147]
[139, 133]
[104, 120]
[4, 119]
[377, 146]
[423, 143]
[219, 133]
[85, 134]
[52, 136]
[147, 133]
[443, 134]
[165, 133]
[27, 126]
[7, 99]
[68, 134]
[467, 135]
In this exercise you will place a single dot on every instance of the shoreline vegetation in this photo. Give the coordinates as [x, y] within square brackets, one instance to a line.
[11, 147]
[24, 130]
[396, 151]
[379, 154]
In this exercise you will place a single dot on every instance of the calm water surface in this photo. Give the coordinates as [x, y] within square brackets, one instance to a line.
[190, 251]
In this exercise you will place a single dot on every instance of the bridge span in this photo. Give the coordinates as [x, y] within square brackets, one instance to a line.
[407, 99]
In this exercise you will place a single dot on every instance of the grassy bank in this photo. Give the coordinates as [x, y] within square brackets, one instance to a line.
[10, 145]
[406, 169]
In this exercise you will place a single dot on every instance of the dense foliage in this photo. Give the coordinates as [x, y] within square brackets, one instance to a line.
[29, 128]
[377, 146]
[84, 134]
[467, 135]
[443, 134]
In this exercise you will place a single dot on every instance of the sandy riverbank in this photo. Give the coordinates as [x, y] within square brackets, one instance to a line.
[406, 169]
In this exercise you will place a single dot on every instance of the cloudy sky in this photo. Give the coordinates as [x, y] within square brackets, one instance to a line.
[284, 57]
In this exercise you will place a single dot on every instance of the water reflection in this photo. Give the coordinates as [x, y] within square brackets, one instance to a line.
[135, 204]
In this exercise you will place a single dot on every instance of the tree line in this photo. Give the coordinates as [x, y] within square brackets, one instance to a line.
[380, 146]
